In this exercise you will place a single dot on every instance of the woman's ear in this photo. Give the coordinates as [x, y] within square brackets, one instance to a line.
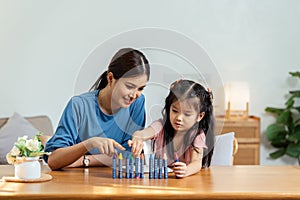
[110, 77]
[201, 115]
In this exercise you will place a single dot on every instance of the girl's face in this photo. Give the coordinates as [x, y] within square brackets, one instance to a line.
[183, 116]
[126, 90]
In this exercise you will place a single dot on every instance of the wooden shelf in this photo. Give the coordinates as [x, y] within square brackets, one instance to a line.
[247, 133]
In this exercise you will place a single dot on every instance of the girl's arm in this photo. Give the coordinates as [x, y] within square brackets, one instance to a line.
[182, 170]
[138, 138]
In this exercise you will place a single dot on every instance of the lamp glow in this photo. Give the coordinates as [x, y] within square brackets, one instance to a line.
[237, 96]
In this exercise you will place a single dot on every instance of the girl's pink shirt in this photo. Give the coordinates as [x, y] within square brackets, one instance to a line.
[184, 156]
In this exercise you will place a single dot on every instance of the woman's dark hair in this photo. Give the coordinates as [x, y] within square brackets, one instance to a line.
[201, 100]
[127, 62]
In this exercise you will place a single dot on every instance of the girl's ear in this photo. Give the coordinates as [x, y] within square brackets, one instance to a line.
[201, 115]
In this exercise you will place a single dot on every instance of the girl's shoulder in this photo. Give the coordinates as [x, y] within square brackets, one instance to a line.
[157, 126]
[200, 140]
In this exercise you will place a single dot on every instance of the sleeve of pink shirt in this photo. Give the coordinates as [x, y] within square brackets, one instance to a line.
[157, 127]
[199, 141]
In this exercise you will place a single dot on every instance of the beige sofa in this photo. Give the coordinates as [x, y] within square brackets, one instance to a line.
[42, 123]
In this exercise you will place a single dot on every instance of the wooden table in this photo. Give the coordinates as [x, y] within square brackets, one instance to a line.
[231, 182]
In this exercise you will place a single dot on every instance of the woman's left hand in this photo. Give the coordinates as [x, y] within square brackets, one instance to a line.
[180, 169]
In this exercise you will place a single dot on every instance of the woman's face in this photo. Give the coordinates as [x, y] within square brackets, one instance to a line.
[126, 90]
[183, 116]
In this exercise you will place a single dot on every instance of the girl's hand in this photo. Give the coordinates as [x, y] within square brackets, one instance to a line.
[180, 169]
[136, 144]
[105, 145]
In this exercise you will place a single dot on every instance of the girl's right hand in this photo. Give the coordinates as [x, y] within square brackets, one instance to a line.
[136, 144]
[105, 145]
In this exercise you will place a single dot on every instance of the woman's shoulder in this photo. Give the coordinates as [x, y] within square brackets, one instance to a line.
[84, 97]
[140, 98]
[138, 103]
[83, 100]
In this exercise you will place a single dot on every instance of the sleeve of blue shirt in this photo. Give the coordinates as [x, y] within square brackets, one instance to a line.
[67, 132]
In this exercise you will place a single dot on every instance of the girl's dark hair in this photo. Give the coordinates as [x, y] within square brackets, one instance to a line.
[201, 100]
[127, 62]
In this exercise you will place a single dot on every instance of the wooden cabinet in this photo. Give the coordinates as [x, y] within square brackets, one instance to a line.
[247, 133]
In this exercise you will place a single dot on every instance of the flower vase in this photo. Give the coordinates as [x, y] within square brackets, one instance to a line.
[28, 168]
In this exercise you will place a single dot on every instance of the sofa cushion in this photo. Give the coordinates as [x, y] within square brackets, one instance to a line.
[16, 126]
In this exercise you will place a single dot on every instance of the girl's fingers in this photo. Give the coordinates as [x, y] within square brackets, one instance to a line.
[178, 164]
[130, 143]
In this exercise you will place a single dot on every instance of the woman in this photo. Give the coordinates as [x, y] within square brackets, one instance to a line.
[101, 121]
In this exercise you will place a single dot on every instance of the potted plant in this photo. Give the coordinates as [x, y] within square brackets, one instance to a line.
[284, 133]
[25, 156]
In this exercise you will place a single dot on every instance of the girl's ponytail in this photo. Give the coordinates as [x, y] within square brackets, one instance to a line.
[207, 125]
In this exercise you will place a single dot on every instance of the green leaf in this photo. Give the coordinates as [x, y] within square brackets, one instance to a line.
[277, 111]
[296, 74]
[277, 153]
[295, 136]
[297, 108]
[284, 117]
[293, 150]
[279, 142]
[275, 130]
[295, 93]
[289, 103]
[33, 154]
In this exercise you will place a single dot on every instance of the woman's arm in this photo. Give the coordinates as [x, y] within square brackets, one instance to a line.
[95, 160]
[182, 170]
[71, 156]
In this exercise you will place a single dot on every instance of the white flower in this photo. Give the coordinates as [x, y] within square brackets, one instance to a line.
[10, 159]
[33, 145]
[24, 138]
[15, 151]
[25, 147]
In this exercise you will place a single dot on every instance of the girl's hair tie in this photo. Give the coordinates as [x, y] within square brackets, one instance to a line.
[173, 84]
[211, 96]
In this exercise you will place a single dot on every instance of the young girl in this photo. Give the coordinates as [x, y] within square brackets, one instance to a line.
[186, 130]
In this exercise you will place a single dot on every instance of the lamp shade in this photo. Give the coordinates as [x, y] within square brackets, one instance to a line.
[238, 94]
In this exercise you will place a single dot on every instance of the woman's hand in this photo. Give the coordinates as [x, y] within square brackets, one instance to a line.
[136, 144]
[105, 145]
[180, 169]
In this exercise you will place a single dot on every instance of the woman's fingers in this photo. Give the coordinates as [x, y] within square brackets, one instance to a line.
[118, 146]
[112, 150]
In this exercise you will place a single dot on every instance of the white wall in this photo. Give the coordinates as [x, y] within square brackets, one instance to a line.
[43, 45]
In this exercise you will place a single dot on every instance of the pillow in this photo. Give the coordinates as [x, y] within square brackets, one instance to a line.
[16, 126]
[223, 149]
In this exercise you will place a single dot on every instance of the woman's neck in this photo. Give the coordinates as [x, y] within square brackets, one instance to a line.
[104, 101]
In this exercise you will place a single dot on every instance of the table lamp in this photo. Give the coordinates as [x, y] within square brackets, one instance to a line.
[237, 96]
